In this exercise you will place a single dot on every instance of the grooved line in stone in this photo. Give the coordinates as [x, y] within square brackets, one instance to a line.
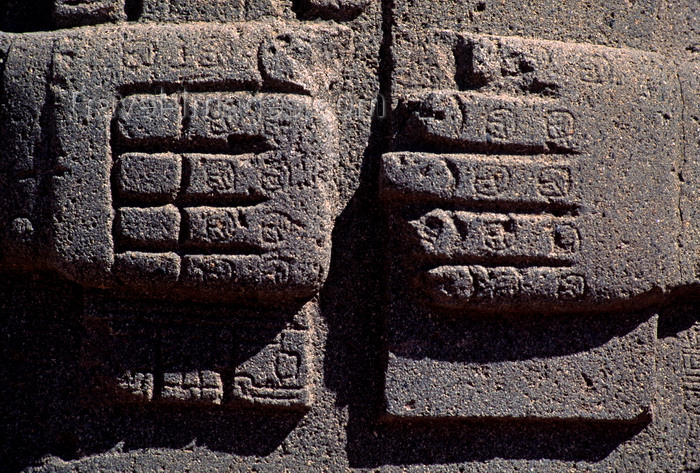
[252, 356]
[691, 374]
[504, 183]
[205, 188]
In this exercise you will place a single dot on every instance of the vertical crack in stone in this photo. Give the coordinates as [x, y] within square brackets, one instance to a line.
[682, 166]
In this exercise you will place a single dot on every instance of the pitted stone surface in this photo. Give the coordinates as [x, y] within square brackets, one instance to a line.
[543, 122]
[350, 235]
[199, 354]
[239, 185]
[498, 203]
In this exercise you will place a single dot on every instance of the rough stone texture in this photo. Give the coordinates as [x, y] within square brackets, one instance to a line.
[350, 235]
[519, 137]
[85, 12]
[145, 351]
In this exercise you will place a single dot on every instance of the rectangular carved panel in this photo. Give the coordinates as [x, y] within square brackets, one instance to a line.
[221, 185]
[522, 250]
[240, 209]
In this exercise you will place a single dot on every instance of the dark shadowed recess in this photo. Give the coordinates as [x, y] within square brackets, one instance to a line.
[341, 10]
[679, 315]
[441, 442]
[20, 16]
[43, 409]
[509, 337]
[26, 15]
[40, 323]
[134, 9]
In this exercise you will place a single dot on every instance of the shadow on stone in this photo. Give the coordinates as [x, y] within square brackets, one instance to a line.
[45, 411]
[452, 442]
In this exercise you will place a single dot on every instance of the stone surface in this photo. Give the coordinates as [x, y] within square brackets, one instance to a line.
[84, 12]
[196, 353]
[350, 235]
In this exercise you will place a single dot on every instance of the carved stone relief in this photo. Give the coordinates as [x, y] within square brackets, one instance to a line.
[343, 235]
[514, 219]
